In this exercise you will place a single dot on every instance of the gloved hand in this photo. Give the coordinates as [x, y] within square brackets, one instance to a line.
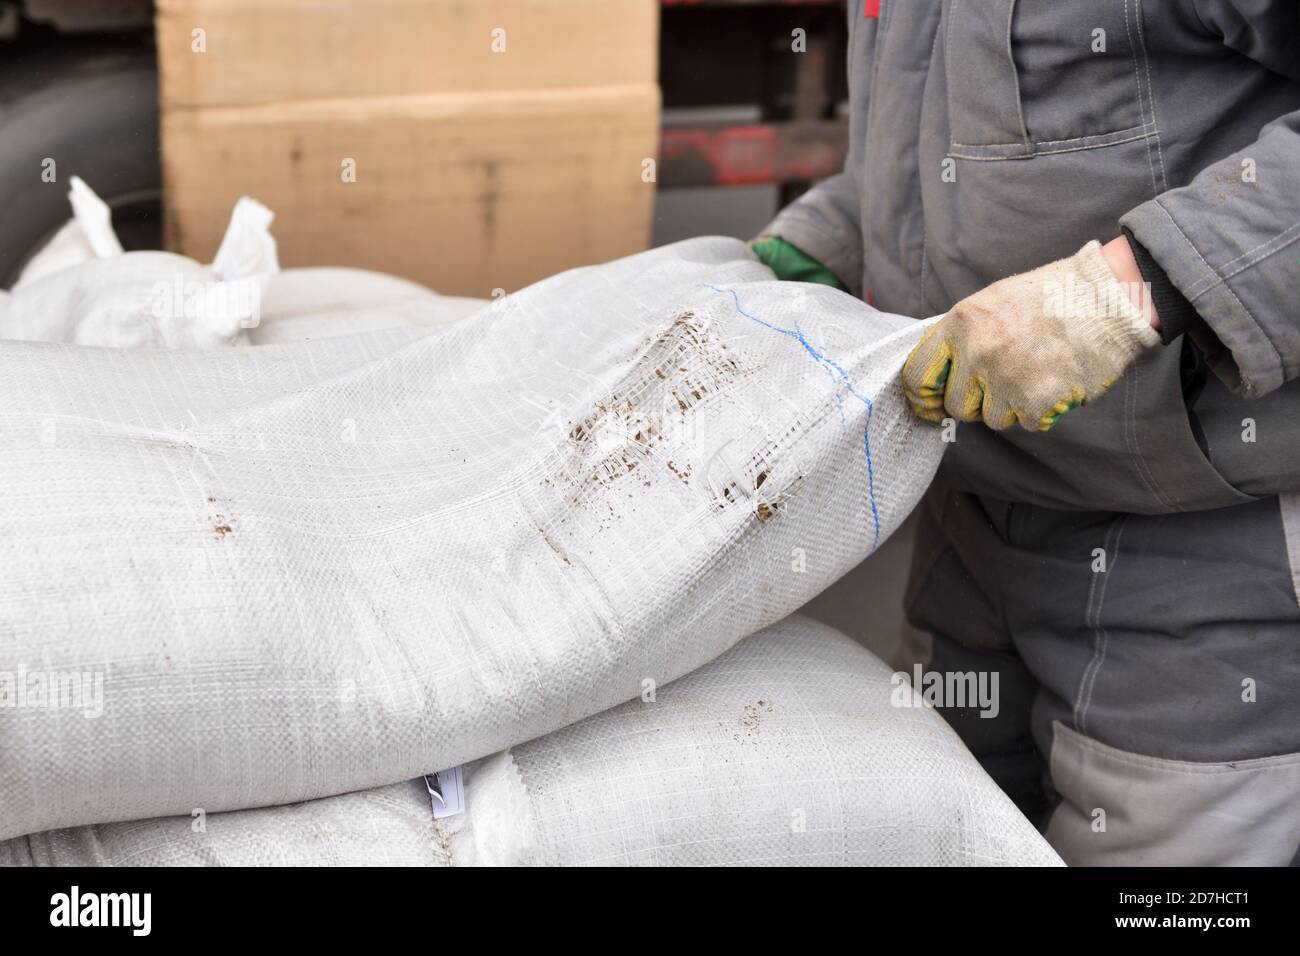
[1030, 347]
[792, 264]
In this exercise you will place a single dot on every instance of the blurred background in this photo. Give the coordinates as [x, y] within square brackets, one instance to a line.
[470, 145]
[494, 141]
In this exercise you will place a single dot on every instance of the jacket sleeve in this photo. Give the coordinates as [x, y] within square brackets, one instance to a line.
[824, 223]
[1227, 240]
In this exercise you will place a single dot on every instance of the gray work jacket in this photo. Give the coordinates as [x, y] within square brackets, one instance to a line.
[991, 136]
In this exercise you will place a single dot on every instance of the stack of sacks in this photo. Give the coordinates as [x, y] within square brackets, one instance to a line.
[300, 570]
[788, 749]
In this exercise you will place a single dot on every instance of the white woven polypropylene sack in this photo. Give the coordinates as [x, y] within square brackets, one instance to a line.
[304, 304]
[286, 572]
[158, 299]
[82, 288]
[789, 749]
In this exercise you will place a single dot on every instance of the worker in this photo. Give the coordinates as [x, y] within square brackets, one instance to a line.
[1103, 201]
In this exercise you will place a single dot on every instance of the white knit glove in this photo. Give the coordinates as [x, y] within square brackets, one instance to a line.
[1030, 347]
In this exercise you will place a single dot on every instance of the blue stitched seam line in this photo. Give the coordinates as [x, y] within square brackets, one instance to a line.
[829, 365]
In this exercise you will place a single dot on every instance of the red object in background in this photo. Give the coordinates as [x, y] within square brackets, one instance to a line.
[799, 137]
[871, 9]
[756, 153]
[737, 155]
[741, 3]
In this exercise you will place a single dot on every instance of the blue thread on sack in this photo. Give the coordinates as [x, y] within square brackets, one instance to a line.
[829, 365]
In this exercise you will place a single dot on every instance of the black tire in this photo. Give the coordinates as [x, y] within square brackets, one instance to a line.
[92, 107]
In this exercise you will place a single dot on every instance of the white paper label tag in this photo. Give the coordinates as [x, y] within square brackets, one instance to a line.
[446, 792]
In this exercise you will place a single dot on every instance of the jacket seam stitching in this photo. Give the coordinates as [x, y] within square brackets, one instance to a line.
[1145, 134]
[1142, 109]
[1211, 281]
[1097, 600]
[1151, 96]
[947, 50]
[1041, 152]
[934, 46]
[1015, 77]
[1250, 315]
[1144, 129]
[1193, 768]
[1260, 258]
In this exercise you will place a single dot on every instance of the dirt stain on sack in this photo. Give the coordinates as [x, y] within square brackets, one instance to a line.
[645, 425]
[732, 487]
[442, 845]
[551, 543]
[222, 524]
[751, 719]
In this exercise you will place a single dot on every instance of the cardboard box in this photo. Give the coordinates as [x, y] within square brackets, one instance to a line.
[265, 51]
[465, 193]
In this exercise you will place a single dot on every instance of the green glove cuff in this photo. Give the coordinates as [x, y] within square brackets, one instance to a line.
[792, 264]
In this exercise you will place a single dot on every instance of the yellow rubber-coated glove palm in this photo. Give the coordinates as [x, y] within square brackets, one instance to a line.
[1030, 347]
